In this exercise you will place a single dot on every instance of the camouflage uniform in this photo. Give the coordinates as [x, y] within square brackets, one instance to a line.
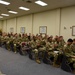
[49, 52]
[73, 48]
[73, 53]
[15, 44]
[39, 48]
[68, 50]
[8, 43]
[58, 46]
[42, 49]
[35, 50]
[11, 43]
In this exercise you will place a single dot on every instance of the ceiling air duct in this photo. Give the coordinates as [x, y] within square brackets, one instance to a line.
[29, 1]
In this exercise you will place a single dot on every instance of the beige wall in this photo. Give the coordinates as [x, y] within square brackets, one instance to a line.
[67, 20]
[4, 26]
[25, 21]
[11, 23]
[55, 20]
[49, 19]
[32, 22]
[17, 23]
[1, 25]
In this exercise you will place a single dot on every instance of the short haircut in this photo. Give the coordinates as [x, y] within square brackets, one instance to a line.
[70, 40]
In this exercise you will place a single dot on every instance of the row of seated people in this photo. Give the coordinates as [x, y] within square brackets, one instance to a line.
[42, 48]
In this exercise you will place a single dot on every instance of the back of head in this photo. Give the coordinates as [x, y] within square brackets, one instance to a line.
[69, 40]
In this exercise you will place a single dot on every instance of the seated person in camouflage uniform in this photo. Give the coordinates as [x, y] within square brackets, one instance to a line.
[73, 46]
[38, 47]
[68, 50]
[49, 55]
[73, 53]
[55, 53]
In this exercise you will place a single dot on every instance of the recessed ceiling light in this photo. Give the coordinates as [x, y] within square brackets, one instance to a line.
[24, 8]
[39, 2]
[4, 2]
[13, 12]
[1, 16]
[5, 14]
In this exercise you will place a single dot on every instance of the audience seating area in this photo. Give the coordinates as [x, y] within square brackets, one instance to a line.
[35, 47]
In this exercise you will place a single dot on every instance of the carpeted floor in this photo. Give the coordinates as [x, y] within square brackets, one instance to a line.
[15, 64]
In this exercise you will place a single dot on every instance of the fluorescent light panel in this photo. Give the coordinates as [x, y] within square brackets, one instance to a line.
[1, 16]
[5, 14]
[13, 12]
[4, 2]
[24, 8]
[41, 3]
